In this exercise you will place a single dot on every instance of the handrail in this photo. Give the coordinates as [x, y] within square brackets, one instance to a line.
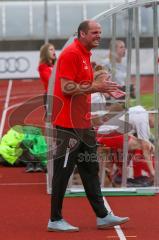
[122, 7]
[66, 2]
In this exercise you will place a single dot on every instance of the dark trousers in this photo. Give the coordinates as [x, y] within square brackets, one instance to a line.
[76, 147]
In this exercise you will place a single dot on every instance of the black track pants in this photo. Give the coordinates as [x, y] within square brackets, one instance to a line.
[76, 147]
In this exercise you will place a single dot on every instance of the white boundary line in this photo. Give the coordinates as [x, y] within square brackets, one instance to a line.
[117, 228]
[5, 107]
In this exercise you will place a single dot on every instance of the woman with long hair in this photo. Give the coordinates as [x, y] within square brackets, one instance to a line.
[46, 64]
[120, 67]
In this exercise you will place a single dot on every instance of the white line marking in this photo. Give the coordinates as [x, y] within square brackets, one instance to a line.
[117, 228]
[5, 107]
[113, 237]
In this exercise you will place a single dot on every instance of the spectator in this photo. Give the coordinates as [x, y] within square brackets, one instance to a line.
[76, 143]
[141, 123]
[46, 64]
[120, 66]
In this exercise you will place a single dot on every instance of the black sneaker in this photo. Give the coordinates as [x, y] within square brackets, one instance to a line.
[141, 181]
[38, 167]
[29, 167]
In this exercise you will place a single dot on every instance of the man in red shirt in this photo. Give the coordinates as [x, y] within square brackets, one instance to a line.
[76, 141]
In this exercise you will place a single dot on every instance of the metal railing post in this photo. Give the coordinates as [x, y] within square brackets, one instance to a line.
[156, 90]
[137, 53]
[46, 21]
[127, 97]
[113, 46]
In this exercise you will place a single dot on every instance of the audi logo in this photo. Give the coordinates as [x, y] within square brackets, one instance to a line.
[13, 64]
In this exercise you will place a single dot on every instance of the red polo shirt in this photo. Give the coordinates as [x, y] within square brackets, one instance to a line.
[45, 73]
[73, 65]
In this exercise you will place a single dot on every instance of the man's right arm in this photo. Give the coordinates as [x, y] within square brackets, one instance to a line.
[101, 84]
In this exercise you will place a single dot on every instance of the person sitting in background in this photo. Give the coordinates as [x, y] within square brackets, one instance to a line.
[24, 146]
[120, 66]
[141, 121]
[46, 64]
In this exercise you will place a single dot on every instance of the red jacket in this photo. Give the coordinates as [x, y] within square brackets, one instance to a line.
[45, 73]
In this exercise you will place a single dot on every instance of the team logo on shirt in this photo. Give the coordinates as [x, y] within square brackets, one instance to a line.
[72, 142]
[85, 65]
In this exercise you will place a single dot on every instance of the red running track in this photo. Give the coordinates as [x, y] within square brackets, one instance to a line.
[146, 84]
[25, 207]
[18, 109]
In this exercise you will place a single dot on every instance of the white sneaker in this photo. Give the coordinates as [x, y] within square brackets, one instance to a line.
[110, 221]
[61, 226]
